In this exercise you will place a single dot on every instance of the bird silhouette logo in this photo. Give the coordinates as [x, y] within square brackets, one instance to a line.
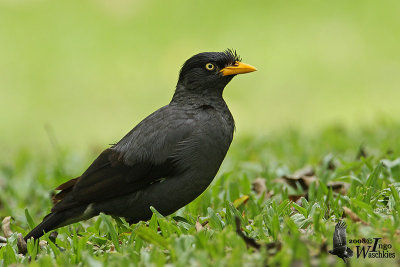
[340, 248]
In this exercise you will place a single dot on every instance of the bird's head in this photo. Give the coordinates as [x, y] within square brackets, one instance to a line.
[210, 72]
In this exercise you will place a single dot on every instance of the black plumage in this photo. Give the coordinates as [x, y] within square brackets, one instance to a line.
[167, 160]
[340, 248]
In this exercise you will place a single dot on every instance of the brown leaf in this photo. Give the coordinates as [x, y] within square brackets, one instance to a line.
[21, 243]
[295, 198]
[258, 186]
[304, 181]
[354, 217]
[308, 180]
[199, 227]
[339, 187]
[6, 226]
[304, 177]
[306, 171]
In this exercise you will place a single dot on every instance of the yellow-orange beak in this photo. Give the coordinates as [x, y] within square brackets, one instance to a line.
[237, 68]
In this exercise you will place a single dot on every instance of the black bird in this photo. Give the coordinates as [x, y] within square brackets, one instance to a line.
[340, 248]
[166, 161]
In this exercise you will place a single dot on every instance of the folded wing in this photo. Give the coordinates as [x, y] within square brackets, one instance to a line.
[143, 156]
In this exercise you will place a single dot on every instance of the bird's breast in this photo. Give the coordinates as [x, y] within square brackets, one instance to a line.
[204, 150]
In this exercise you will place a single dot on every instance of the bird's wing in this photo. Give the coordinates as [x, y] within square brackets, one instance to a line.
[339, 237]
[349, 252]
[142, 157]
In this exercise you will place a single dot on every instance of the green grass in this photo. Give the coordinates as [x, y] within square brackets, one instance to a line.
[366, 162]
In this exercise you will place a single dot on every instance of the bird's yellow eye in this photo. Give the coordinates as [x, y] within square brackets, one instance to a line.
[210, 66]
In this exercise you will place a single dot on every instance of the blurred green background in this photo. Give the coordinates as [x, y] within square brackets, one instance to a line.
[88, 71]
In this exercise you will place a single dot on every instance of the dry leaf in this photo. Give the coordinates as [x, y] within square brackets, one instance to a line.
[199, 227]
[306, 171]
[21, 243]
[304, 177]
[304, 181]
[339, 187]
[259, 186]
[6, 226]
[295, 198]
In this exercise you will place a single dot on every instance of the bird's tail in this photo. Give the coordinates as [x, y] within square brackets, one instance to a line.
[50, 222]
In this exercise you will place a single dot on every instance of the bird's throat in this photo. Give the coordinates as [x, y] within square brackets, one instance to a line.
[195, 97]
